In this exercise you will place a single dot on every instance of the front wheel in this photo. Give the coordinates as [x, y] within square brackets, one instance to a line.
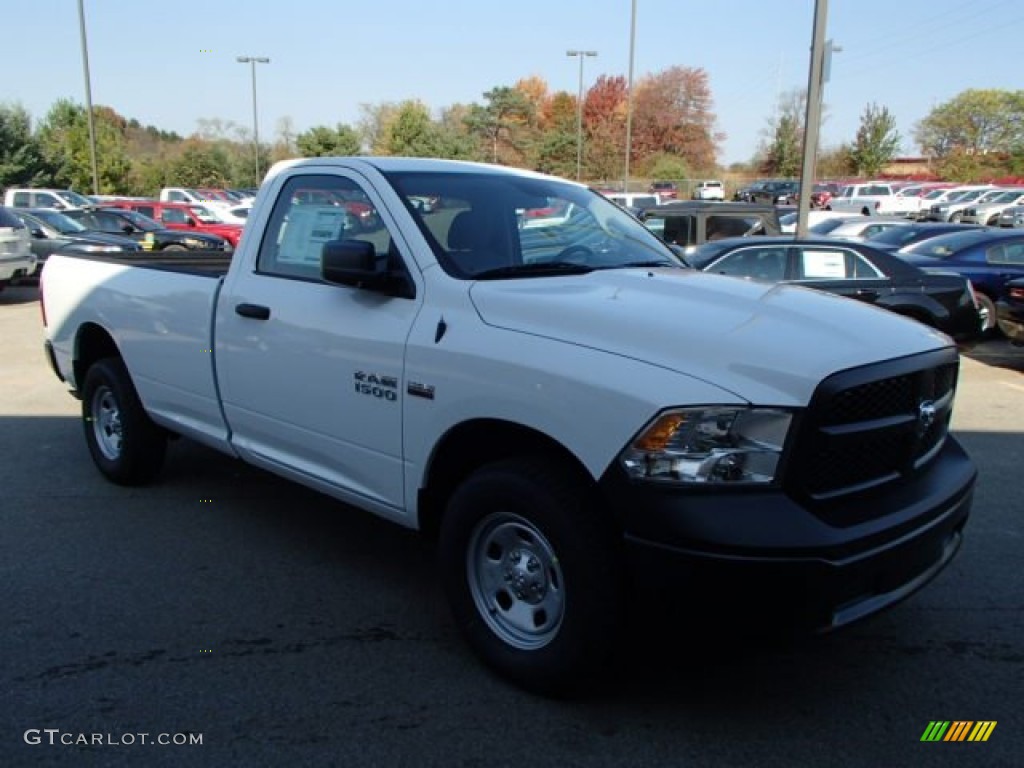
[126, 446]
[532, 572]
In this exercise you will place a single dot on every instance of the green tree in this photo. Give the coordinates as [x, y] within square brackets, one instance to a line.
[64, 139]
[781, 154]
[321, 141]
[202, 164]
[412, 133]
[496, 122]
[877, 141]
[974, 122]
[21, 157]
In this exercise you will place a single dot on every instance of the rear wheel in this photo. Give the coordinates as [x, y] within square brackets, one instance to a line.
[175, 247]
[126, 446]
[532, 572]
[956, 217]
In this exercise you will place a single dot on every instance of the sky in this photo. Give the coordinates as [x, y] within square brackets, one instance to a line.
[171, 64]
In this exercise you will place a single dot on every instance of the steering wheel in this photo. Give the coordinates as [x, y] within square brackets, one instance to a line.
[576, 254]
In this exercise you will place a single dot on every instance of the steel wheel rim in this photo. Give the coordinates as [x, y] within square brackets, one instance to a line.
[516, 581]
[106, 422]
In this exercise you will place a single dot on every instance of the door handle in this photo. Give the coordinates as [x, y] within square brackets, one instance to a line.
[255, 311]
[865, 293]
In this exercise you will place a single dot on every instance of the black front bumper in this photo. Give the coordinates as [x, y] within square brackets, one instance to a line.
[765, 555]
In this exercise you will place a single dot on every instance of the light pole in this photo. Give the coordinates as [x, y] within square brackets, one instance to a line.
[579, 113]
[629, 98]
[88, 101]
[253, 61]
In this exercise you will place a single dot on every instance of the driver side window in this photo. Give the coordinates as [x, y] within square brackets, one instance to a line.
[311, 210]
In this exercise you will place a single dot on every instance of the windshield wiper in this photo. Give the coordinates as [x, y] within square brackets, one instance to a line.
[644, 264]
[535, 269]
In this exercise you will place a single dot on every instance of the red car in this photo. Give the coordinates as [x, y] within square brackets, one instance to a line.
[183, 216]
[665, 190]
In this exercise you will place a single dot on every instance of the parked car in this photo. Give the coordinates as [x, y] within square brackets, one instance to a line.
[691, 222]
[855, 270]
[16, 257]
[1010, 312]
[665, 190]
[873, 198]
[189, 217]
[746, 194]
[816, 220]
[634, 202]
[58, 199]
[1012, 216]
[861, 228]
[950, 205]
[988, 213]
[236, 214]
[54, 232]
[916, 232]
[776, 193]
[708, 190]
[823, 192]
[989, 258]
[151, 235]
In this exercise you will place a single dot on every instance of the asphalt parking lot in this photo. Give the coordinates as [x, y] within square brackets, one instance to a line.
[285, 629]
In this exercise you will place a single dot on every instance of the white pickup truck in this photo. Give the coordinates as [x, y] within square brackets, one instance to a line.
[577, 417]
[874, 199]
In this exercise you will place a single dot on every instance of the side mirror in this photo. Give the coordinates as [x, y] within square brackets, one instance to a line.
[191, 222]
[37, 233]
[355, 263]
[127, 229]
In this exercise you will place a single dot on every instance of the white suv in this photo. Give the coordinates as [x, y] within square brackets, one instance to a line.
[58, 199]
[709, 190]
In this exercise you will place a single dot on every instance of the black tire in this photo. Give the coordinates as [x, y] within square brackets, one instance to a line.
[985, 303]
[532, 571]
[126, 446]
[956, 217]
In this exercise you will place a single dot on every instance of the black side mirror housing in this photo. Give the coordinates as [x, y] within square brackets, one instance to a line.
[127, 229]
[37, 233]
[355, 263]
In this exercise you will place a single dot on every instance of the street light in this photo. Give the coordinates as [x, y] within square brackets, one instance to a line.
[579, 112]
[629, 98]
[88, 101]
[253, 61]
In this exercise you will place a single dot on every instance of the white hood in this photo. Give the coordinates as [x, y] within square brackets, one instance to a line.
[768, 344]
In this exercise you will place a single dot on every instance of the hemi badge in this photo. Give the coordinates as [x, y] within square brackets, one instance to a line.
[420, 390]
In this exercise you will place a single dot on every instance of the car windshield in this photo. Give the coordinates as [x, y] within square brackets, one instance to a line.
[1008, 196]
[63, 224]
[701, 255]
[898, 235]
[497, 225]
[825, 226]
[205, 215]
[935, 194]
[944, 246]
[76, 199]
[139, 221]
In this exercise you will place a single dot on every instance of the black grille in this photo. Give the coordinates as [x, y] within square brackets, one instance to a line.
[872, 426]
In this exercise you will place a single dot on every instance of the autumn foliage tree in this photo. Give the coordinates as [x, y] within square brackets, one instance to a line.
[673, 114]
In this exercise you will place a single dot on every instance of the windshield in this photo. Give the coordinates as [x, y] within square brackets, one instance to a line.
[825, 226]
[1007, 196]
[139, 221]
[76, 199]
[495, 225]
[205, 215]
[60, 222]
[935, 194]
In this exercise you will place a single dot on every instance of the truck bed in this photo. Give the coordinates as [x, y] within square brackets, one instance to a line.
[201, 263]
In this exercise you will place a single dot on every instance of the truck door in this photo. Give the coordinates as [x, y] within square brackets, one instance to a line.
[311, 373]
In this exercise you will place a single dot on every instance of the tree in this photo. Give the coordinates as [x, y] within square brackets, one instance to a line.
[202, 164]
[974, 122]
[673, 113]
[781, 153]
[21, 157]
[604, 123]
[412, 133]
[496, 121]
[321, 141]
[877, 141]
[64, 139]
[375, 123]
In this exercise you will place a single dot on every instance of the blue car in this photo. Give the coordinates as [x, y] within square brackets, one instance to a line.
[988, 258]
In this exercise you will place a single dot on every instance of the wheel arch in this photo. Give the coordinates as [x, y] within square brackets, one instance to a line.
[472, 444]
[92, 342]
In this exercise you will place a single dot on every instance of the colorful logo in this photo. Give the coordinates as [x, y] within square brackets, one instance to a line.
[958, 730]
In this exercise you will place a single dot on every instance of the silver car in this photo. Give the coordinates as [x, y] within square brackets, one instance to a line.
[953, 209]
[988, 212]
[1012, 216]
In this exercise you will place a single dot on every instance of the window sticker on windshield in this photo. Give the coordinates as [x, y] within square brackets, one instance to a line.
[823, 264]
[306, 231]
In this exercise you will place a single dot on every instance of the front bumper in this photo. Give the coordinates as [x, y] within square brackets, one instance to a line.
[764, 554]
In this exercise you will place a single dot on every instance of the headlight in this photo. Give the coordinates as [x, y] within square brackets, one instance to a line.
[713, 444]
